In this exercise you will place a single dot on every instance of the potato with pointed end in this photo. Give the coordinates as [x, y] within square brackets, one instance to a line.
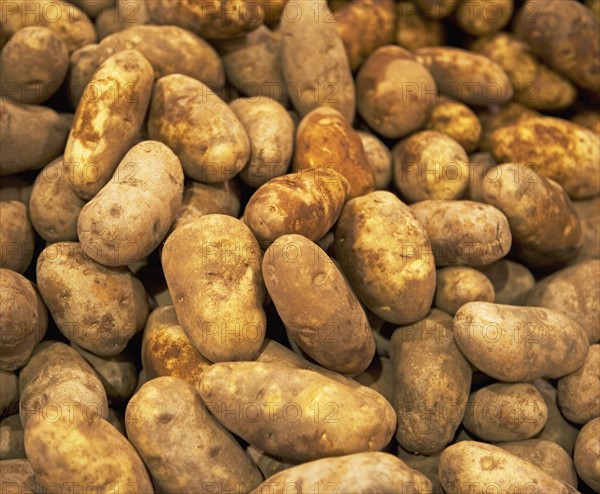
[17, 239]
[587, 453]
[456, 286]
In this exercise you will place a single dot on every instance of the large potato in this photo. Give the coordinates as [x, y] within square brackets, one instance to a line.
[16, 236]
[212, 266]
[456, 286]
[587, 454]
[97, 307]
[512, 344]
[384, 252]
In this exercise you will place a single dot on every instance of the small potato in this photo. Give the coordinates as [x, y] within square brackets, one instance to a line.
[360, 473]
[479, 233]
[504, 116]
[485, 17]
[16, 236]
[506, 412]
[17, 473]
[191, 119]
[33, 65]
[106, 125]
[437, 9]
[306, 203]
[271, 132]
[558, 149]
[97, 307]
[430, 165]
[466, 76]
[587, 454]
[30, 136]
[326, 141]
[577, 393]
[414, 30]
[23, 320]
[299, 415]
[589, 214]
[395, 94]
[457, 121]
[513, 344]
[479, 165]
[455, 286]
[184, 447]
[212, 266]
[511, 281]
[57, 382]
[383, 251]
[9, 392]
[471, 464]
[133, 212]
[11, 438]
[379, 158]
[308, 33]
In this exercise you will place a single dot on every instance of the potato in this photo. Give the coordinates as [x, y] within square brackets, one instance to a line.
[210, 19]
[308, 33]
[16, 236]
[479, 165]
[466, 76]
[84, 452]
[511, 281]
[437, 9]
[23, 320]
[457, 121]
[93, 8]
[479, 233]
[16, 187]
[188, 450]
[470, 464]
[325, 140]
[505, 116]
[30, 136]
[212, 266]
[414, 30]
[97, 307]
[167, 351]
[506, 412]
[82, 65]
[513, 344]
[564, 35]
[299, 415]
[577, 393]
[191, 119]
[273, 11]
[480, 18]
[559, 149]
[33, 65]
[589, 119]
[379, 376]
[9, 392]
[107, 121]
[108, 22]
[395, 94]
[267, 464]
[589, 214]
[17, 473]
[357, 473]
[379, 158]
[271, 132]
[430, 165]
[133, 212]
[535, 84]
[431, 384]
[11, 438]
[57, 383]
[587, 454]
[306, 203]
[376, 18]
[382, 250]
[455, 286]
[319, 309]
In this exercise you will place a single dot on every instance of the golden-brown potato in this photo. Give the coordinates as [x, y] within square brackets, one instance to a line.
[93, 8]
[504, 116]
[512, 281]
[414, 30]
[11, 438]
[587, 454]
[16, 236]
[457, 121]
[455, 286]
[483, 17]
[9, 392]
[97, 307]
[18, 474]
[589, 214]
[594, 6]
[384, 252]
[513, 344]
[395, 94]
[379, 158]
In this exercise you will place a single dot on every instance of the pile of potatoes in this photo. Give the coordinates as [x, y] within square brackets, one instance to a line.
[300, 246]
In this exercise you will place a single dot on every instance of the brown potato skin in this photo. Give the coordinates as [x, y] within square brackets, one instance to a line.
[18, 472]
[589, 214]
[317, 306]
[510, 114]
[437, 9]
[457, 121]
[479, 165]
[9, 393]
[379, 158]
[586, 454]
[455, 286]
[414, 30]
[511, 281]
[476, 18]
[82, 65]
[16, 236]
[11, 438]
[514, 344]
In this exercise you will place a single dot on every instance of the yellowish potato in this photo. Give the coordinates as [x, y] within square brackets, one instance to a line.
[481, 18]
[457, 121]
[437, 9]
[505, 116]
[379, 158]
[455, 286]
[587, 453]
[11, 438]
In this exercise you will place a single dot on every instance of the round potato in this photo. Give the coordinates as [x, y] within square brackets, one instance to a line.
[511, 281]
[457, 121]
[456, 286]
[16, 236]
[379, 157]
[587, 454]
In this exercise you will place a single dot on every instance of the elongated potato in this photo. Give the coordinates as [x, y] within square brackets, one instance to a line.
[16, 236]
[455, 286]
[514, 344]
[299, 415]
[107, 121]
[212, 266]
[384, 252]
[511, 281]
[379, 158]
[586, 454]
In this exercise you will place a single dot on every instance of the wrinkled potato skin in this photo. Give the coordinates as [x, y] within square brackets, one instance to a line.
[358, 473]
[213, 270]
[379, 158]
[395, 283]
[16, 236]
[334, 331]
[511, 281]
[383, 95]
[457, 121]
[105, 127]
[455, 286]
[185, 449]
[577, 393]
[97, 307]
[190, 118]
[18, 473]
[414, 30]
[587, 454]
[519, 412]
[479, 234]
[365, 420]
[527, 342]
[23, 319]
[57, 377]
[307, 203]
[476, 18]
